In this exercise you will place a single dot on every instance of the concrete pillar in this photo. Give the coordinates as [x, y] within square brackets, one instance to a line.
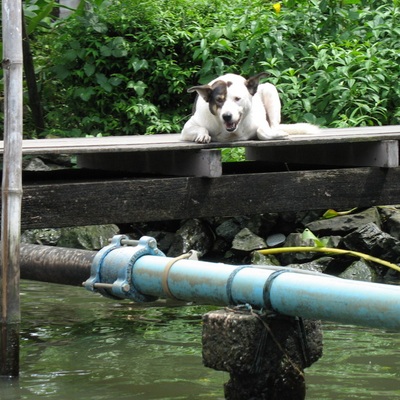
[265, 355]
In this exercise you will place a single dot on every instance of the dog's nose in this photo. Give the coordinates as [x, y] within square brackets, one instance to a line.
[227, 117]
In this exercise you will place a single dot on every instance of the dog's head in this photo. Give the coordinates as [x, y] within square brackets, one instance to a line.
[229, 99]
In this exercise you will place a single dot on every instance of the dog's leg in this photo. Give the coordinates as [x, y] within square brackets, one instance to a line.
[270, 98]
[269, 126]
[194, 133]
[272, 104]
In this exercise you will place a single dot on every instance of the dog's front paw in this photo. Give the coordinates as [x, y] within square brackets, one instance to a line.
[203, 138]
[271, 134]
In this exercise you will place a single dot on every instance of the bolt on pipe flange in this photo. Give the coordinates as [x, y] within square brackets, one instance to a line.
[111, 271]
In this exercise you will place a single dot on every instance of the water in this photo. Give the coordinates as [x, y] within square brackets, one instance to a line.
[77, 345]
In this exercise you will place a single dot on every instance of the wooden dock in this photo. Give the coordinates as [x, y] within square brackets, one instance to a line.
[150, 178]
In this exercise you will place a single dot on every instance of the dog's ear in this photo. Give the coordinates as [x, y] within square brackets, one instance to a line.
[205, 91]
[252, 83]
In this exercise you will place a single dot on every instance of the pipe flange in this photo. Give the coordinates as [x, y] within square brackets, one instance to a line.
[113, 281]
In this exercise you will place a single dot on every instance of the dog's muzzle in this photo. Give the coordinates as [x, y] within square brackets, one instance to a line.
[230, 125]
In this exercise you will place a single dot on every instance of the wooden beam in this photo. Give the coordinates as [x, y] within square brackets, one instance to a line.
[364, 154]
[201, 163]
[155, 199]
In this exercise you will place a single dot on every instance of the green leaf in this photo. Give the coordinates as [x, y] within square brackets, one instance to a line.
[105, 51]
[140, 87]
[139, 64]
[332, 213]
[44, 12]
[84, 93]
[89, 69]
[70, 55]
[308, 235]
[115, 81]
[61, 71]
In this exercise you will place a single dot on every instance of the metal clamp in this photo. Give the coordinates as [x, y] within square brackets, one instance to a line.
[111, 271]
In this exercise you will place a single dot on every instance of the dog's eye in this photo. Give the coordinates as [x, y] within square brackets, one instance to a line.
[220, 100]
[237, 99]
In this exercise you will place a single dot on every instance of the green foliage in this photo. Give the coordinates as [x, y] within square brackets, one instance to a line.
[122, 67]
[119, 70]
[308, 235]
[233, 154]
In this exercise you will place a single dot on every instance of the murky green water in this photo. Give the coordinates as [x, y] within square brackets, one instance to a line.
[77, 345]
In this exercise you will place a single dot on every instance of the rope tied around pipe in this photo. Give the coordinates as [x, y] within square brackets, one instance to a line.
[191, 254]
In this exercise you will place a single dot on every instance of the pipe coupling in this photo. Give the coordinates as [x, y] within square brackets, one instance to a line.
[111, 270]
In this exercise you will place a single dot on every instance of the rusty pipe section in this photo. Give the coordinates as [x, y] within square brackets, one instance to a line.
[55, 264]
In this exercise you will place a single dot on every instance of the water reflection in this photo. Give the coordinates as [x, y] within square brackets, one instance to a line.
[358, 363]
[76, 345]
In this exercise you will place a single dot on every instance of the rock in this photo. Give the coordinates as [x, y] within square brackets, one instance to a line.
[391, 217]
[318, 265]
[264, 259]
[194, 234]
[164, 239]
[220, 247]
[228, 229]
[359, 271]
[261, 225]
[305, 217]
[296, 240]
[246, 241]
[35, 164]
[47, 237]
[345, 224]
[287, 222]
[370, 239]
[276, 239]
[92, 237]
[57, 161]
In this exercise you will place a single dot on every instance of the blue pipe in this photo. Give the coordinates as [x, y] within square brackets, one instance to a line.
[143, 273]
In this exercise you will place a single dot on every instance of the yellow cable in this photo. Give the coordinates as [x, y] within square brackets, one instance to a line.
[332, 251]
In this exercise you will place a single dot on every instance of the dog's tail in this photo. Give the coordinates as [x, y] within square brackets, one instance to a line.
[300, 129]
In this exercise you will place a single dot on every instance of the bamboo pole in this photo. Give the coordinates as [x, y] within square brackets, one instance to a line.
[11, 188]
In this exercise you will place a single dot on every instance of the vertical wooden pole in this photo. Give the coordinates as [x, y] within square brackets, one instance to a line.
[11, 188]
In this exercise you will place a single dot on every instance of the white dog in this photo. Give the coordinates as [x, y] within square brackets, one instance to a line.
[233, 108]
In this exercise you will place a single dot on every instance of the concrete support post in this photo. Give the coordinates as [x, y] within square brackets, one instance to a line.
[265, 355]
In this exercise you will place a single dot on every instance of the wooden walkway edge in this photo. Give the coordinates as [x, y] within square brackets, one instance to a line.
[163, 142]
[165, 153]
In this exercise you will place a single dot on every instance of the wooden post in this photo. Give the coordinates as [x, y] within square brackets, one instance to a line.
[11, 188]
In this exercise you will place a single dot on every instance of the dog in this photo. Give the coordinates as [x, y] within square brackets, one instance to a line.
[233, 108]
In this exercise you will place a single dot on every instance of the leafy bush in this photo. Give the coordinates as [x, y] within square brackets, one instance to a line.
[123, 67]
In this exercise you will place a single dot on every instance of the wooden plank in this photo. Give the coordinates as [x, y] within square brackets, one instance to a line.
[156, 199]
[170, 142]
[201, 163]
[365, 154]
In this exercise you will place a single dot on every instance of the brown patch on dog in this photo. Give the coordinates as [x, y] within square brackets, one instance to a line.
[214, 95]
[252, 83]
[218, 96]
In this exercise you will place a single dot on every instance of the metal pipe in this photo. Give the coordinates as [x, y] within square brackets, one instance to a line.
[285, 292]
[142, 273]
[55, 264]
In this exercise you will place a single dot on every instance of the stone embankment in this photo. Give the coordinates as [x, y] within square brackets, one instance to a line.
[374, 231]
